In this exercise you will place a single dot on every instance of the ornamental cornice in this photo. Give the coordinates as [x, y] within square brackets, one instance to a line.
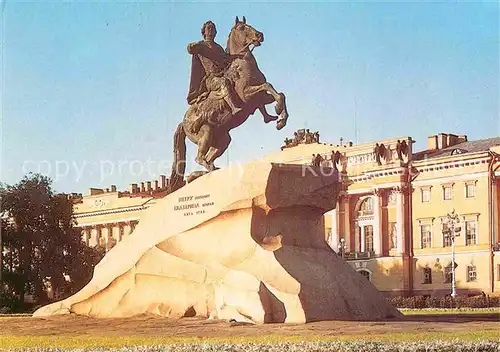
[429, 166]
[369, 175]
[111, 211]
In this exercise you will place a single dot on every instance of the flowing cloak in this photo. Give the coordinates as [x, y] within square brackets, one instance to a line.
[215, 54]
[197, 74]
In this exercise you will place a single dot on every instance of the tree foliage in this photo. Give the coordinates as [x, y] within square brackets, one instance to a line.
[42, 247]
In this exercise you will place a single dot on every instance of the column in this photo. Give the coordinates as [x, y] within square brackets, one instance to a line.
[377, 226]
[94, 241]
[133, 224]
[116, 232]
[348, 234]
[127, 229]
[399, 218]
[362, 238]
[106, 235]
[86, 235]
[333, 241]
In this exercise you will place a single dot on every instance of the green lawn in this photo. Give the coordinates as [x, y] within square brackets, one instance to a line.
[9, 342]
[20, 342]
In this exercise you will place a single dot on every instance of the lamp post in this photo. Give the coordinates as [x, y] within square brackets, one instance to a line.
[452, 231]
[342, 247]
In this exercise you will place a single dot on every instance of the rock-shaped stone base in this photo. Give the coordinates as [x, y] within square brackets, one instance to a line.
[244, 243]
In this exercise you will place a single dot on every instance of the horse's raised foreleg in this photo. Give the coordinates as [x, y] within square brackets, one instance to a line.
[267, 118]
[280, 107]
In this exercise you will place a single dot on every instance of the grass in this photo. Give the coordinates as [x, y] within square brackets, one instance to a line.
[15, 315]
[10, 342]
[82, 341]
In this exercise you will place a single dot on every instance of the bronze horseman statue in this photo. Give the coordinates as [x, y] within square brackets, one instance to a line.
[226, 87]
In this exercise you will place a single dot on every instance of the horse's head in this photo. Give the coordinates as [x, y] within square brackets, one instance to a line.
[242, 36]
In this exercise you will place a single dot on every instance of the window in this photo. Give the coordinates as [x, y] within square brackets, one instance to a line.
[425, 236]
[446, 238]
[471, 273]
[366, 207]
[447, 274]
[425, 194]
[427, 275]
[446, 232]
[365, 273]
[121, 233]
[470, 189]
[368, 238]
[470, 233]
[447, 192]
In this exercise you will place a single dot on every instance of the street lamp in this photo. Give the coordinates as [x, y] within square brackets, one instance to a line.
[342, 247]
[451, 232]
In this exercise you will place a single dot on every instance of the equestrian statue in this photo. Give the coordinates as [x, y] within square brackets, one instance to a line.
[226, 87]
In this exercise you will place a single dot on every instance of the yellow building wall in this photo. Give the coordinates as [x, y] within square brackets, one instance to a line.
[391, 213]
[432, 212]
[437, 263]
[467, 208]
[387, 273]
[496, 269]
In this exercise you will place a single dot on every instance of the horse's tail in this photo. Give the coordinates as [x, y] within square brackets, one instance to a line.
[179, 165]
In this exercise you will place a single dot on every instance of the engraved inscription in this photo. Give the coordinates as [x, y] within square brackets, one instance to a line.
[192, 205]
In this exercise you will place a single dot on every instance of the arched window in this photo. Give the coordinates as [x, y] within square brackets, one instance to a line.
[366, 207]
[365, 273]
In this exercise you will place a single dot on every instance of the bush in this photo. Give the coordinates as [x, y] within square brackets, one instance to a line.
[420, 302]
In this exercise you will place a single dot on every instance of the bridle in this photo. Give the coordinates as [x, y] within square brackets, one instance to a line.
[245, 47]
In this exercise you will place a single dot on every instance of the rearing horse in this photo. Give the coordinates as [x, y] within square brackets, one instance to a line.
[212, 137]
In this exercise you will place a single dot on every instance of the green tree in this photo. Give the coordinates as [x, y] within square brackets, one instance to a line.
[42, 246]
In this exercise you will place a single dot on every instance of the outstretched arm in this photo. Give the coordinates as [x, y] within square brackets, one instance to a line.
[194, 48]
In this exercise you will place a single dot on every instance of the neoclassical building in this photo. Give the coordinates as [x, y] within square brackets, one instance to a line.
[106, 216]
[391, 217]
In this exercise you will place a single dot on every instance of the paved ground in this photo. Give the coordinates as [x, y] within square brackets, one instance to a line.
[192, 327]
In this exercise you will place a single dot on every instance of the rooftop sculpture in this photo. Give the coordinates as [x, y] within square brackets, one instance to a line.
[302, 136]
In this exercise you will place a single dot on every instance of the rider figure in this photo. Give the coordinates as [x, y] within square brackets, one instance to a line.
[207, 71]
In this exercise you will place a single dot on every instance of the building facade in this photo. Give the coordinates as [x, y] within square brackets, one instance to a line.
[391, 217]
[106, 216]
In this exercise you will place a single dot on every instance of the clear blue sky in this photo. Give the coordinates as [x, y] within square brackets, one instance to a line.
[89, 85]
